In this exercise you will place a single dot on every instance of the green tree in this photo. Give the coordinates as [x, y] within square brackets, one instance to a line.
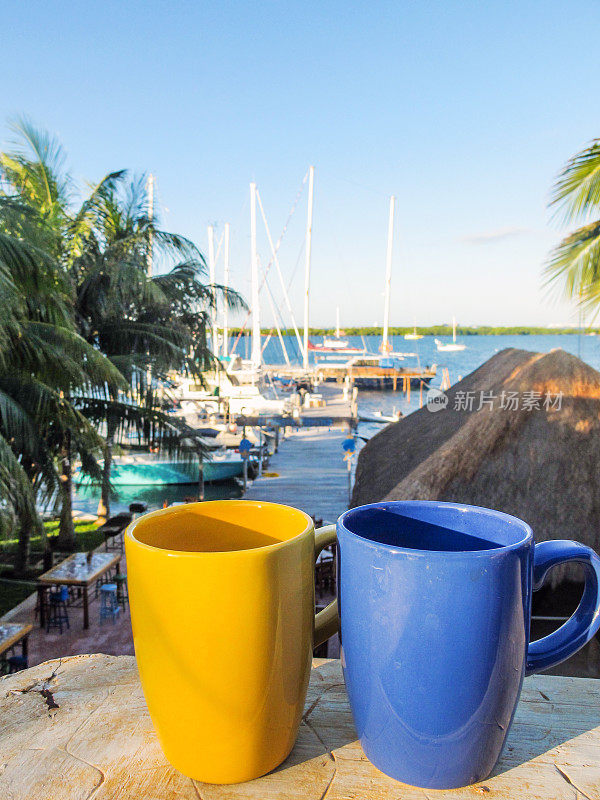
[574, 265]
[146, 325]
[43, 362]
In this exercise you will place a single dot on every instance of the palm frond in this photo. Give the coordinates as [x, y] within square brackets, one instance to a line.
[575, 265]
[576, 192]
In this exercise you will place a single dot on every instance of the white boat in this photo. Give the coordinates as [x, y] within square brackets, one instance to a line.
[414, 335]
[379, 416]
[223, 391]
[147, 469]
[335, 344]
[453, 346]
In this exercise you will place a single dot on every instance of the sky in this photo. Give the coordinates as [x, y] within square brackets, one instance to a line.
[465, 111]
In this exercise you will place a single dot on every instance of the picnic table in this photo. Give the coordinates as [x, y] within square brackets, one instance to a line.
[11, 633]
[78, 570]
[78, 727]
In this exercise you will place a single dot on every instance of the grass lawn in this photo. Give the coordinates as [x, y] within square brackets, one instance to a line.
[13, 592]
[86, 533]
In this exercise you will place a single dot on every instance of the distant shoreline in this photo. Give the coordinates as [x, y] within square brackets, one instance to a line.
[433, 330]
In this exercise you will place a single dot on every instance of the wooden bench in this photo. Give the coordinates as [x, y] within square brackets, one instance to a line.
[78, 728]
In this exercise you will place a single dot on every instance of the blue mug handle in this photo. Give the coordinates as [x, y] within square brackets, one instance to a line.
[585, 622]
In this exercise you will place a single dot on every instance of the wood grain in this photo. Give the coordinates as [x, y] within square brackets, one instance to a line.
[78, 729]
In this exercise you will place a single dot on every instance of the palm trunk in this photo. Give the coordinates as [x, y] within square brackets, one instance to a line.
[30, 524]
[66, 531]
[104, 507]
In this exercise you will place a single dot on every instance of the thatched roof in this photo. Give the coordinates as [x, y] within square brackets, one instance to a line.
[542, 465]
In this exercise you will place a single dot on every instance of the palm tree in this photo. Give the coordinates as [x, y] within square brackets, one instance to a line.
[43, 362]
[574, 264]
[145, 325]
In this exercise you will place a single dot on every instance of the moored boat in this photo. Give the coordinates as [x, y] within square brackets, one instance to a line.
[149, 470]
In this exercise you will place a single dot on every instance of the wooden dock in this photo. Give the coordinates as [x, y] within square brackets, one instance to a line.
[311, 474]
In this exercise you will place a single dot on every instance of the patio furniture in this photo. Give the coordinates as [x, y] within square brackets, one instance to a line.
[112, 530]
[79, 570]
[109, 605]
[57, 614]
[551, 751]
[12, 634]
[16, 664]
[122, 593]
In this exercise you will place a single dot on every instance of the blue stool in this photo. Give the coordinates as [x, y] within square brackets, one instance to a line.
[57, 611]
[109, 605]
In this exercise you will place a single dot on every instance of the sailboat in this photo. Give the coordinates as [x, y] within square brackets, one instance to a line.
[450, 347]
[335, 344]
[414, 335]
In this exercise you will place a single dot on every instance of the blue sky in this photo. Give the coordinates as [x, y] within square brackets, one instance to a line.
[465, 110]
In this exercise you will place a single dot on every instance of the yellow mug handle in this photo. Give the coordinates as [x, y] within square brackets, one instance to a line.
[327, 621]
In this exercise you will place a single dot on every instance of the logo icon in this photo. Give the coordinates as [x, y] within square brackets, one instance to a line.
[436, 400]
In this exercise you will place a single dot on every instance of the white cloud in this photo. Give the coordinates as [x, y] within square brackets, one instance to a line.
[490, 237]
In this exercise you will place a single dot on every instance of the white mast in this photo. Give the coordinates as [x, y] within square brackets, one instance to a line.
[337, 322]
[286, 296]
[211, 278]
[226, 284]
[388, 276]
[454, 329]
[309, 218]
[150, 190]
[256, 354]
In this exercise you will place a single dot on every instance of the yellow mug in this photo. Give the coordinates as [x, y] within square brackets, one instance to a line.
[222, 609]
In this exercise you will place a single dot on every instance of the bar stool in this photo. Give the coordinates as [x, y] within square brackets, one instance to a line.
[122, 593]
[109, 605]
[57, 610]
[16, 663]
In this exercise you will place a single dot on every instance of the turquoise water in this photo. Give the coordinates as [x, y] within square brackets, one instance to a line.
[86, 498]
[478, 350]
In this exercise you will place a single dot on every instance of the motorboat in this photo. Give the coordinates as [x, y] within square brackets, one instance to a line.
[149, 469]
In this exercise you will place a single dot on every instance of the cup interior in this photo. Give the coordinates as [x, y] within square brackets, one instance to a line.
[220, 526]
[439, 527]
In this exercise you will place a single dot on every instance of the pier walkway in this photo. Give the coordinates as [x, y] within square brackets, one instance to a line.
[311, 474]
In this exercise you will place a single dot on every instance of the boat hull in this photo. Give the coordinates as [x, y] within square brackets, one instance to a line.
[169, 473]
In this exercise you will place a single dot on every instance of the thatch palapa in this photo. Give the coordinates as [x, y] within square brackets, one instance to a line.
[540, 461]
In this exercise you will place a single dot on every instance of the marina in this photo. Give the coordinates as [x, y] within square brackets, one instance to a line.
[299, 403]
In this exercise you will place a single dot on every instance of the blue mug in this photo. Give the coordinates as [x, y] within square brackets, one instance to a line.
[435, 608]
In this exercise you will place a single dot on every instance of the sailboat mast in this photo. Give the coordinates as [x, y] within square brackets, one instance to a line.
[211, 278]
[388, 276]
[454, 329]
[309, 221]
[337, 322]
[226, 284]
[256, 354]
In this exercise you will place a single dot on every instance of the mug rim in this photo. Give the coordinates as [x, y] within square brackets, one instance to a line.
[527, 540]
[130, 535]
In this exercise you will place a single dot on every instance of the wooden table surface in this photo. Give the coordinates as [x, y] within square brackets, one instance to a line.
[78, 729]
[11, 633]
[76, 570]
